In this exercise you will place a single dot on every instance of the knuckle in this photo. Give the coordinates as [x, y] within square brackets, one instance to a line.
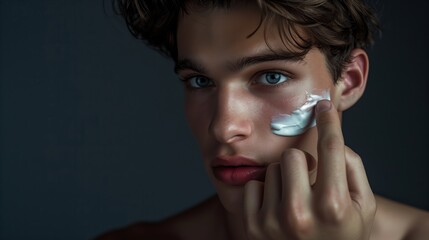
[271, 224]
[333, 207]
[353, 158]
[352, 153]
[300, 225]
[299, 221]
[332, 142]
[293, 153]
[356, 158]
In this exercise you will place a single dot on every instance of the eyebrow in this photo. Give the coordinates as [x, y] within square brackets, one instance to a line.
[241, 63]
[186, 63]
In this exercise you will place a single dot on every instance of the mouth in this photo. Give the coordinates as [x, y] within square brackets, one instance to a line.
[237, 170]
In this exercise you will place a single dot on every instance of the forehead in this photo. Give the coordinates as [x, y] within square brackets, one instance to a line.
[225, 32]
[216, 27]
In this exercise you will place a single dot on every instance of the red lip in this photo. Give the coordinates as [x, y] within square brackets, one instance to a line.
[237, 170]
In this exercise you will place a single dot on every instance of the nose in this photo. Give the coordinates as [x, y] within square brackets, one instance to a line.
[231, 121]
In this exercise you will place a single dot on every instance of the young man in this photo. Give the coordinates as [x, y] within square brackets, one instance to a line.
[243, 64]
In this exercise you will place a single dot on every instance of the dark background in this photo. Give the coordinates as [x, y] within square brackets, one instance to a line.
[93, 135]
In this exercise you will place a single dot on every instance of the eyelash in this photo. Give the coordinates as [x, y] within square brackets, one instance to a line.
[186, 79]
[261, 73]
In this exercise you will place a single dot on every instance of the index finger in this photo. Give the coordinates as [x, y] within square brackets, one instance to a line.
[330, 147]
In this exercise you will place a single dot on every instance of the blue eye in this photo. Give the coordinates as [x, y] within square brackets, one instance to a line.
[272, 78]
[199, 82]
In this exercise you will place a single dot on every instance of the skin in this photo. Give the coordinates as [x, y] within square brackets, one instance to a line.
[315, 187]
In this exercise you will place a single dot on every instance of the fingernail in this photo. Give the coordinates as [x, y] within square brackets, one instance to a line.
[323, 106]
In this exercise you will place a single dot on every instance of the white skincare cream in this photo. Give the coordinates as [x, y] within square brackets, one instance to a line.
[301, 119]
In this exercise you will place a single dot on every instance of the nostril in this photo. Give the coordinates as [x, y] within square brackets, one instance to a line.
[236, 138]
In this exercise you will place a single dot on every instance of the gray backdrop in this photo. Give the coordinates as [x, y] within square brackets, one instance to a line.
[93, 135]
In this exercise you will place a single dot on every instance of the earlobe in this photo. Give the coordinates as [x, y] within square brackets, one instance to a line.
[353, 79]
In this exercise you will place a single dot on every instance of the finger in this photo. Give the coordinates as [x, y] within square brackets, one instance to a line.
[296, 184]
[252, 202]
[272, 187]
[295, 178]
[252, 198]
[360, 190]
[331, 172]
[356, 176]
[296, 195]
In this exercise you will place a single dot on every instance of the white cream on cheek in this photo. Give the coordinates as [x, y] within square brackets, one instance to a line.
[301, 119]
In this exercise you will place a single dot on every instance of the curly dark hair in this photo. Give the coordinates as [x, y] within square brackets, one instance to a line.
[336, 27]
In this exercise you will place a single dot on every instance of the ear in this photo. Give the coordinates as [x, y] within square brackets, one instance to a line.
[353, 79]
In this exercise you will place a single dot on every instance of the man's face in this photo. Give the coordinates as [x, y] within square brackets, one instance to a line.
[234, 87]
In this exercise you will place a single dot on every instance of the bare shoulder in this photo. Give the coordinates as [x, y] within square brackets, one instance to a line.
[190, 224]
[395, 220]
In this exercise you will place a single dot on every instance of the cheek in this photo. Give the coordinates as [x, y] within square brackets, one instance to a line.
[199, 113]
[286, 99]
[195, 117]
[280, 103]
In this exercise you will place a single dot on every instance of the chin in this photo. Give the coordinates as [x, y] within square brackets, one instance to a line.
[231, 198]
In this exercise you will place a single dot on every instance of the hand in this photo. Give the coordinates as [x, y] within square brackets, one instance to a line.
[339, 205]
